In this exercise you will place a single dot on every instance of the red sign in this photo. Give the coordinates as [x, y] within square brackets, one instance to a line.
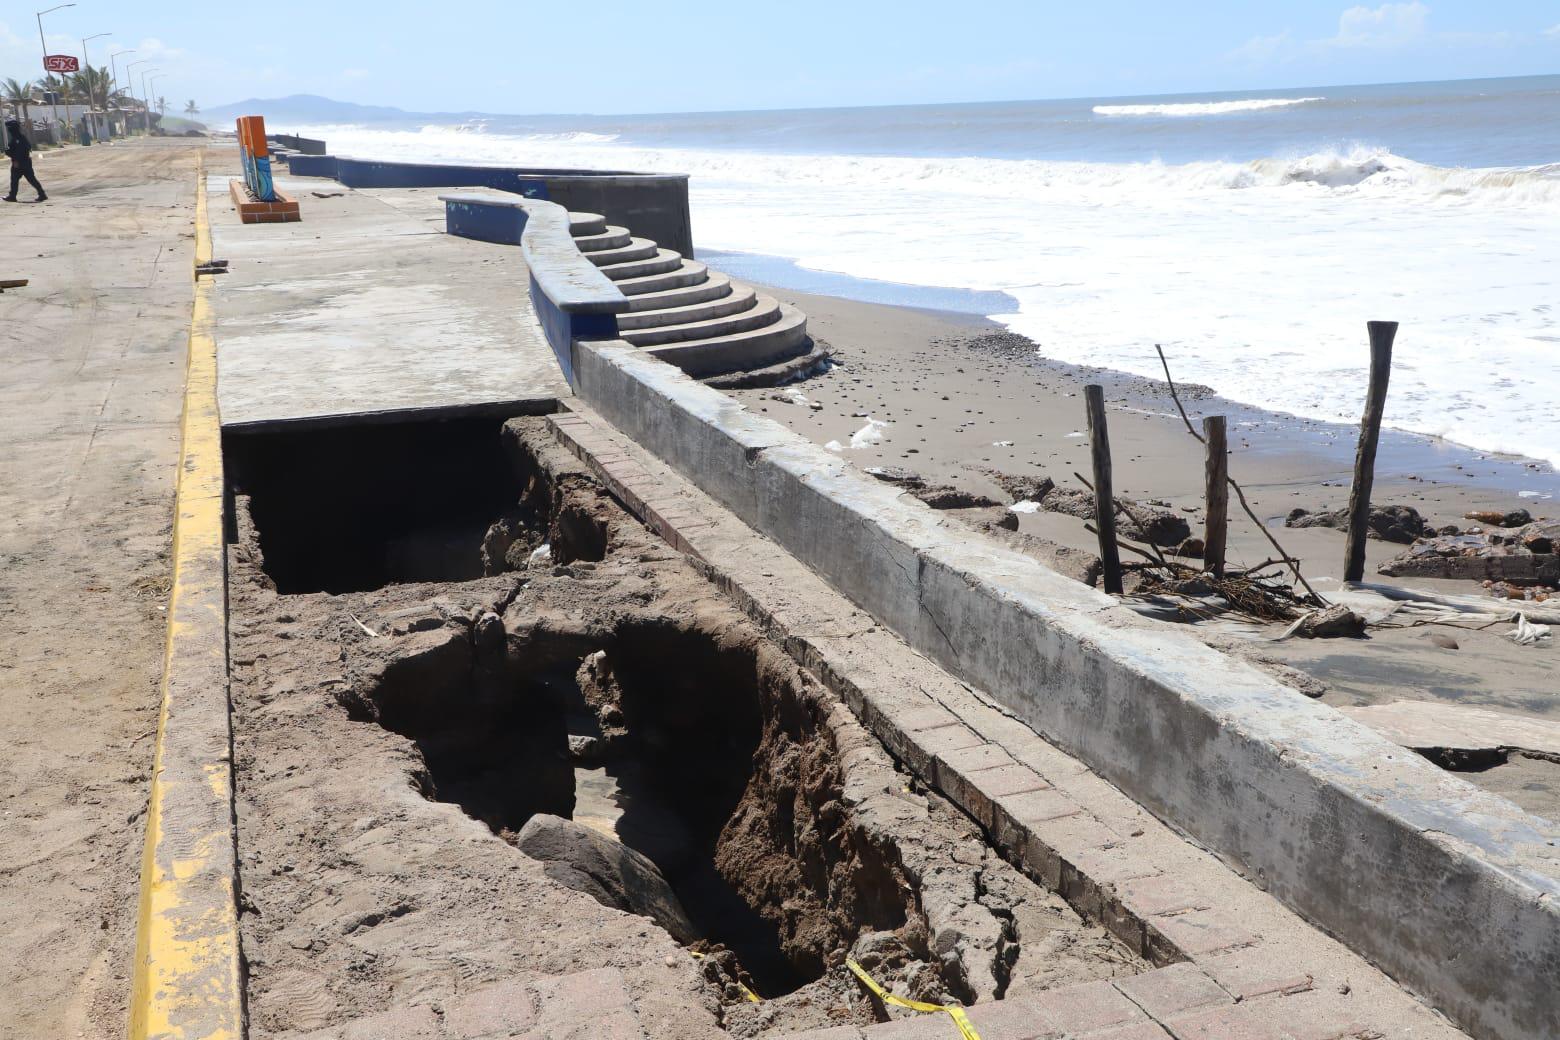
[61, 63]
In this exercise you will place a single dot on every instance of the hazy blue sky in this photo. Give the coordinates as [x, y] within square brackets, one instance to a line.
[613, 56]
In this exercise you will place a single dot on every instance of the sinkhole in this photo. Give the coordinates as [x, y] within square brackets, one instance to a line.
[354, 508]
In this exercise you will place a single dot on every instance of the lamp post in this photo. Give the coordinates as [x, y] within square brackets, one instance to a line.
[131, 84]
[87, 62]
[153, 81]
[113, 74]
[45, 45]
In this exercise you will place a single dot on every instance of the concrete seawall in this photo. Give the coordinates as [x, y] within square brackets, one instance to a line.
[1450, 889]
[650, 204]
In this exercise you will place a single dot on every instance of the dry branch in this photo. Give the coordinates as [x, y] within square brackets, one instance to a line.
[1294, 564]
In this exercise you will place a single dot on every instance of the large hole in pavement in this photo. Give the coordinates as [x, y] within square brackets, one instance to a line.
[684, 750]
[606, 691]
[356, 508]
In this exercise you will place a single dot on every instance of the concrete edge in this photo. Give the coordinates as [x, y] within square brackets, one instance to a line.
[391, 416]
[569, 280]
[1454, 894]
[188, 975]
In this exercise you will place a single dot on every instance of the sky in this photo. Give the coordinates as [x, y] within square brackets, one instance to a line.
[611, 56]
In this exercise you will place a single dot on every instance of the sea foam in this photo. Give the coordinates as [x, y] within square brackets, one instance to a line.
[1202, 108]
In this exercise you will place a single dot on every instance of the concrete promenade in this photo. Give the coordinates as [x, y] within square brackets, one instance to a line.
[90, 391]
[366, 308]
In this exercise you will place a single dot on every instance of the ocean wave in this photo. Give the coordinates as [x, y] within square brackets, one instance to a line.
[1359, 169]
[1202, 108]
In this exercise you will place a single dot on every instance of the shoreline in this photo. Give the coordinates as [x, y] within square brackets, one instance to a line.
[1502, 476]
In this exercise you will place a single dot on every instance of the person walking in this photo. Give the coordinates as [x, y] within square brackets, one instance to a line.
[19, 149]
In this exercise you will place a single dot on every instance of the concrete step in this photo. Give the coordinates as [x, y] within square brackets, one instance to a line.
[785, 338]
[661, 262]
[636, 249]
[764, 311]
[714, 287]
[587, 223]
[608, 239]
[738, 298]
[688, 272]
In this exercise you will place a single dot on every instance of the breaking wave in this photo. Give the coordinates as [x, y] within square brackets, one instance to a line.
[1202, 108]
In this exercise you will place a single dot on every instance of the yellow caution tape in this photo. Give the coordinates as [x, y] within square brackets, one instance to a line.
[953, 1011]
[753, 997]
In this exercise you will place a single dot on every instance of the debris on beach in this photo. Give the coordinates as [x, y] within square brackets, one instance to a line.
[1495, 518]
[1141, 522]
[1522, 556]
[1328, 623]
[1401, 524]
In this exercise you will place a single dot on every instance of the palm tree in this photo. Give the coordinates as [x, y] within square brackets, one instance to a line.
[92, 84]
[20, 95]
[162, 105]
[191, 109]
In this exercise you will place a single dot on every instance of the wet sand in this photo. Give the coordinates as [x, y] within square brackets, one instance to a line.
[957, 395]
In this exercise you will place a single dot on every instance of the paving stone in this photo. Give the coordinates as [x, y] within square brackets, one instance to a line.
[1309, 1016]
[500, 1009]
[972, 759]
[1136, 1031]
[1159, 894]
[1082, 1009]
[1202, 931]
[924, 746]
[1173, 990]
[1258, 971]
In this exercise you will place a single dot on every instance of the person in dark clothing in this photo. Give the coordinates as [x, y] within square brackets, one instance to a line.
[19, 149]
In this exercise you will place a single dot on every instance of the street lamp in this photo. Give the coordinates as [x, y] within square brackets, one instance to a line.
[147, 90]
[88, 72]
[113, 73]
[45, 45]
[131, 84]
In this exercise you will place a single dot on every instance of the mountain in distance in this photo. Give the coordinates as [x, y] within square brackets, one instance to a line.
[308, 108]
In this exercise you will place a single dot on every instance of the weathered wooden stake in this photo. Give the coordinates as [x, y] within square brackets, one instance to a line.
[1104, 498]
[1381, 335]
[1216, 488]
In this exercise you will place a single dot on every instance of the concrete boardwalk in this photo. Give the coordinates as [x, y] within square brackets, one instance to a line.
[91, 391]
[366, 309]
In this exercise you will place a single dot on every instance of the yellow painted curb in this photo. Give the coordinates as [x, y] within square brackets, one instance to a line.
[188, 978]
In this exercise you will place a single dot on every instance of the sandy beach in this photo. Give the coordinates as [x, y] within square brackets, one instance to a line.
[952, 397]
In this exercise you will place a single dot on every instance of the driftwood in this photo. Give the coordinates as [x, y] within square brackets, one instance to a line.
[1294, 564]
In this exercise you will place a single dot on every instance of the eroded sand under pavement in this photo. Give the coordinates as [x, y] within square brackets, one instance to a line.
[391, 743]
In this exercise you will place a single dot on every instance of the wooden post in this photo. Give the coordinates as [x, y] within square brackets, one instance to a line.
[1216, 490]
[1381, 335]
[1104, 498]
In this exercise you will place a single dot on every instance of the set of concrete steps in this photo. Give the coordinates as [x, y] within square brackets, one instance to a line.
[684, 313]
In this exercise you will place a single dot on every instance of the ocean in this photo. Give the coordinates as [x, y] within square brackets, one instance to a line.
[1251, 234]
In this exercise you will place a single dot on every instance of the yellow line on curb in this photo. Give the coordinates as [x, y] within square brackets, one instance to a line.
[187, 981]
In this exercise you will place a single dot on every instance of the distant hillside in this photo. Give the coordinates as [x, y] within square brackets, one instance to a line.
[304, 108]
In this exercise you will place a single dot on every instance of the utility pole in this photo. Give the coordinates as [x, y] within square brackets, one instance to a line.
[113, 75]
[45, 45]
[156, 74]
[131, 83]
[87, 69]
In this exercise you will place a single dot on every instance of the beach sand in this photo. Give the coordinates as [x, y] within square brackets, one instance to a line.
[956, 395]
